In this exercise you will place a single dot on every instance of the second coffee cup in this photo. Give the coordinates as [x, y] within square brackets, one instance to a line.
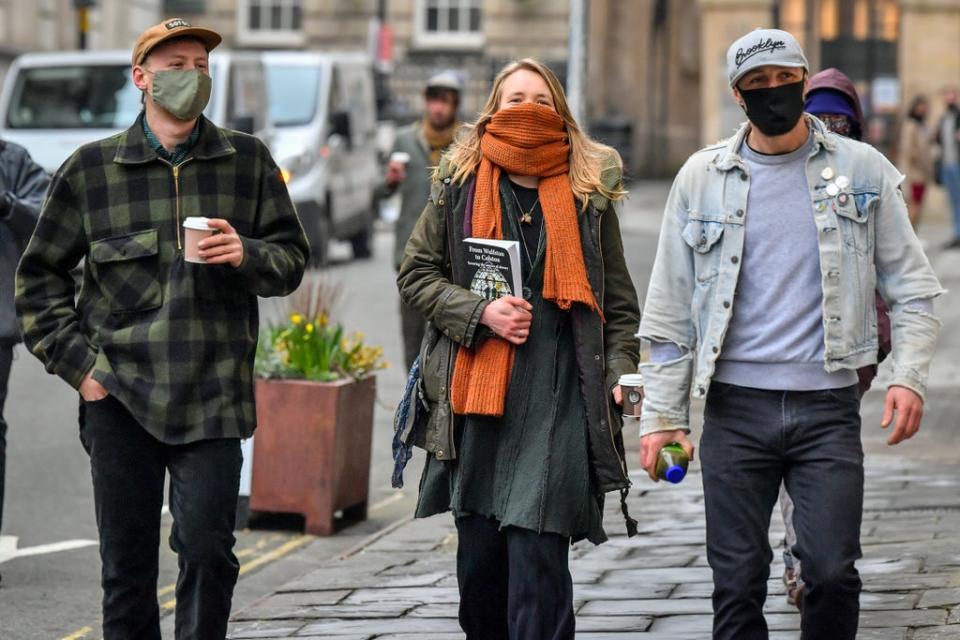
[631, 390]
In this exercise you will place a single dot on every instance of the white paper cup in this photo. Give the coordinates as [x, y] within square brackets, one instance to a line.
[401, 157]
[631, 388]
[195, 229]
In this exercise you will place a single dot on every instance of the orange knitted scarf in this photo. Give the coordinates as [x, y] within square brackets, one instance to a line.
[526, 140]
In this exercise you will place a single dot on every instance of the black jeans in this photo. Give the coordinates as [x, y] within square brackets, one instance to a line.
[751, 440]
[128, 467]
[6, 360]
[514, 583]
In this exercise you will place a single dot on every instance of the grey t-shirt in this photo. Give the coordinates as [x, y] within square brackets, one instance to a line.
[775, 337]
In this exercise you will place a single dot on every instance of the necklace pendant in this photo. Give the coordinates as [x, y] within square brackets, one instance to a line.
[527, 218]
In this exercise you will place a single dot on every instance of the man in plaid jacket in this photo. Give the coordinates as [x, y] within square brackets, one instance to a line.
[160, 349]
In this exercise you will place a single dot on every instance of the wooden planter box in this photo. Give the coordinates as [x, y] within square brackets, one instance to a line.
[311, 452]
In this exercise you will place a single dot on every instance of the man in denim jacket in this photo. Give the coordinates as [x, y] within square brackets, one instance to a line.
[761, 300]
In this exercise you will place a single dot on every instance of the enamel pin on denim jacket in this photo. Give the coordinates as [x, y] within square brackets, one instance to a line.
[865, 242]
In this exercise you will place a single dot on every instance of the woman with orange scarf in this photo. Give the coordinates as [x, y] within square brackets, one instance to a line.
[523, 436]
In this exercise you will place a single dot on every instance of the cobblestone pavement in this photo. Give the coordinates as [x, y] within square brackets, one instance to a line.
[654, 586]
[402, 584]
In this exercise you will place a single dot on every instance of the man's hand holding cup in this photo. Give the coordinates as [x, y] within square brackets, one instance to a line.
[211, 241]
[397, 167]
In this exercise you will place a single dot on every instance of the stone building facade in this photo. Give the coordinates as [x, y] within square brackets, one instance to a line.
[53, 25]
[475, 37]
[655, 82]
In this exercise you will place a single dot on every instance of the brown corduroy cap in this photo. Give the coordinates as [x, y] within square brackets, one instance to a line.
[169, 29]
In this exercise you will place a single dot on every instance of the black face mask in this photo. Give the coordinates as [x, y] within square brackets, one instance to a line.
[774, 111]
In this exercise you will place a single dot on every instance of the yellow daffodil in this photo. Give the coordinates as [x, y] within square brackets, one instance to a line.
[296, 318]
[310, 327]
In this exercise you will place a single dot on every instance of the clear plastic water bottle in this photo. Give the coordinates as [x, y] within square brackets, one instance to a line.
[672, 463]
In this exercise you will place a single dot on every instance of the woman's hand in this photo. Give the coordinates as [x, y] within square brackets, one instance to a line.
[509, 317]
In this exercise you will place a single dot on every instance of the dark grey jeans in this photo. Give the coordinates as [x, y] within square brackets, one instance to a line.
[128, 467]
[752, 439]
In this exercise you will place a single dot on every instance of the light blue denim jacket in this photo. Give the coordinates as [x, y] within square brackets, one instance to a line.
[866, 243]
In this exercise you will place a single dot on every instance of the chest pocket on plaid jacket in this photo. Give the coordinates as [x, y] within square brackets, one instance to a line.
[126, 269]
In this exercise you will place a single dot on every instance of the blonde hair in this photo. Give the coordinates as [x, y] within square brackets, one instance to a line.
[588, 158]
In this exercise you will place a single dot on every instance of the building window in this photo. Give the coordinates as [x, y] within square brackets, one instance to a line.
[271, 22]
[183, 7]
[449, 24]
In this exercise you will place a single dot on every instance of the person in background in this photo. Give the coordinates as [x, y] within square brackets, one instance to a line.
[915, 155]
[416, 152]
[23, 184]
[524, 434]
[832, 97]
[948, 139]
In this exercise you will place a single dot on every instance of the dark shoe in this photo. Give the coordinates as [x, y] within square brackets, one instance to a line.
[953, 244]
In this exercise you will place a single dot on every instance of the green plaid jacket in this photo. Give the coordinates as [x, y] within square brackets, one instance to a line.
[173, 341]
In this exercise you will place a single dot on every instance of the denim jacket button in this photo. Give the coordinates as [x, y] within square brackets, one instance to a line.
[734, 259]
[726, 304]
[743, 177]
[739, 213]
[716, 350]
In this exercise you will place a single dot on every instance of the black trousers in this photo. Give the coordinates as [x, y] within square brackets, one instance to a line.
[128, 467]
[752, 439]
[514, 583]
[6, 360]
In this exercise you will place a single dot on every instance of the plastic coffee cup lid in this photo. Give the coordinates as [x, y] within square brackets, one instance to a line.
[400, 156]
[631, 380]
[197, 222]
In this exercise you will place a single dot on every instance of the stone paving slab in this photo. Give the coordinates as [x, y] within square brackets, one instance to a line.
[654, 586]
[657, 586]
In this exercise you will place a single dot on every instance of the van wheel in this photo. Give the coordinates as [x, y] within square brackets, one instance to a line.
[320, 242]
[362, 242]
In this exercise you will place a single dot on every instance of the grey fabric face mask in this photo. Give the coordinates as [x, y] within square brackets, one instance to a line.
[184, 94]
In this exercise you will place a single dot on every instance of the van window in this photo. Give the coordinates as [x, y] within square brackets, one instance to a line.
[360, 102]
[246, 93]
[78, 97]
[292, 93]
[352, 92]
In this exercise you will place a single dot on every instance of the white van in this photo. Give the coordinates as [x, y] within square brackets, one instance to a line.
[323, 111]
[52, 103]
